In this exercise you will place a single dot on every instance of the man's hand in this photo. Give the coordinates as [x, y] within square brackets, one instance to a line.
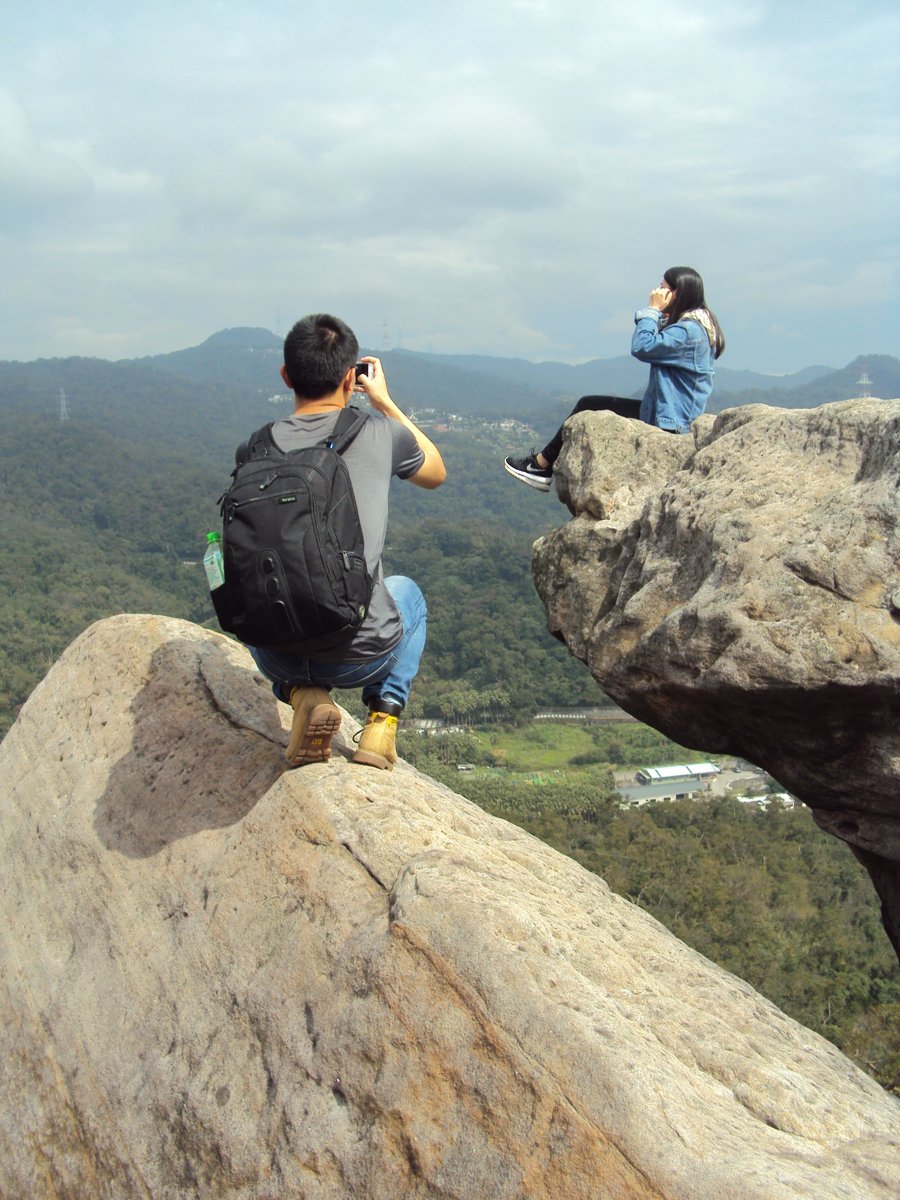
[432, 472]
[376, 389]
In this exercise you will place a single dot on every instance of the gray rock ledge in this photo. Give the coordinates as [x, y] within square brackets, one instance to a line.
[737, 589]
[224, 980]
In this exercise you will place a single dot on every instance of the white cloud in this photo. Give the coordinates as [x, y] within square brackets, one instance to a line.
[35, 180]
[509, 177]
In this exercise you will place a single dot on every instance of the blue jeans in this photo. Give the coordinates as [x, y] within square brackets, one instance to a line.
[388, 678]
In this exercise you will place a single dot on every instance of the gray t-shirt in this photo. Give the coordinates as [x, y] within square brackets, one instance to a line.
[382, 448]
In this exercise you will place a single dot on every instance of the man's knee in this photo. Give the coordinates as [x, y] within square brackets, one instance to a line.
[407, 595]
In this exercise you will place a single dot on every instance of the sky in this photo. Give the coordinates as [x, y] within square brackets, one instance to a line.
[506, 177]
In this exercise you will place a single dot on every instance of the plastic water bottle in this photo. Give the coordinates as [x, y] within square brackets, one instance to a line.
[213, 563]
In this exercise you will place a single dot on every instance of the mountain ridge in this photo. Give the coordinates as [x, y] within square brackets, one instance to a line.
[249, 358]
[258, 348]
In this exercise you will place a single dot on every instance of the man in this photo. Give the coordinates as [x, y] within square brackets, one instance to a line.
[320, 355]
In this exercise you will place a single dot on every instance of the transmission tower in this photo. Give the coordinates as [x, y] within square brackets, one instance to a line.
[864, 383]
[63, 407]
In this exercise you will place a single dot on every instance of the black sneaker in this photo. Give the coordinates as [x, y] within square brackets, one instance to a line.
[529, 472]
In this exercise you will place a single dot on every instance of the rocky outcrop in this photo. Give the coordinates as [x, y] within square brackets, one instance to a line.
[222, 980]
[740, 590]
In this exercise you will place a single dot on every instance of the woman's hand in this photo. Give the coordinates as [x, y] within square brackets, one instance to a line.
[660, 298]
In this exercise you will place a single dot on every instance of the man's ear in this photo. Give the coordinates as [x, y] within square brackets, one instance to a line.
[284, 376]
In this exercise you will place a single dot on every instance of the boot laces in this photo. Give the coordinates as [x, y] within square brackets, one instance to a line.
[374, 718]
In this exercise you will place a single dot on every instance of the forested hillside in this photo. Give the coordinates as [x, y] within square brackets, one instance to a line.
[107, 512]
[249, 359]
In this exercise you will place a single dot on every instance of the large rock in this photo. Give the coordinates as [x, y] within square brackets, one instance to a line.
[740, 591]
[221, 980]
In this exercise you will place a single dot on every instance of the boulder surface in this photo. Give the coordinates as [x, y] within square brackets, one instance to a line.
[739, 589]
[222, 979]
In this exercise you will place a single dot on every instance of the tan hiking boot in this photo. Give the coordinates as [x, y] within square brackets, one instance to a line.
[378, 741]
[316, 719]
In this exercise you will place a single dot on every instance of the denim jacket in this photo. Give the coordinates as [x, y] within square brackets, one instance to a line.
[681, 370]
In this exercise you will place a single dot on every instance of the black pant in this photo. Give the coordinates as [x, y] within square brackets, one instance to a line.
[617, 404]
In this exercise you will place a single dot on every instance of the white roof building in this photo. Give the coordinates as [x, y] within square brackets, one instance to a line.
[684, 771]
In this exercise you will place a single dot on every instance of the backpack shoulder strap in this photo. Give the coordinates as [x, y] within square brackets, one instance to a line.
[347, 426]
[257, 445]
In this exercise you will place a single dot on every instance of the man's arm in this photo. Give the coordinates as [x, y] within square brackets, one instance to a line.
[432, 472]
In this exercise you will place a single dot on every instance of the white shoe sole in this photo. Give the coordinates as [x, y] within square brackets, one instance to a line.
[542, 485]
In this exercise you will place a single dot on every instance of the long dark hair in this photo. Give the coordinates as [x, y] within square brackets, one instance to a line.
[687, 285]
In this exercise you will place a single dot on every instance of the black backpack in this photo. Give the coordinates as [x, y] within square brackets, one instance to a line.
[295, 567]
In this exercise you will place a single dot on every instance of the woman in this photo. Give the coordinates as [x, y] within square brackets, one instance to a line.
[680, 336]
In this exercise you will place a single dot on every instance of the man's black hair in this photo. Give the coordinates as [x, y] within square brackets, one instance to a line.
[318, 352]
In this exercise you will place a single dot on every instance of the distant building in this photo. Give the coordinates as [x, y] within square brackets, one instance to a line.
[650, 793]
[687, 772]
[682, 782]
[609, 712]
[784, 798]
[432, 726]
